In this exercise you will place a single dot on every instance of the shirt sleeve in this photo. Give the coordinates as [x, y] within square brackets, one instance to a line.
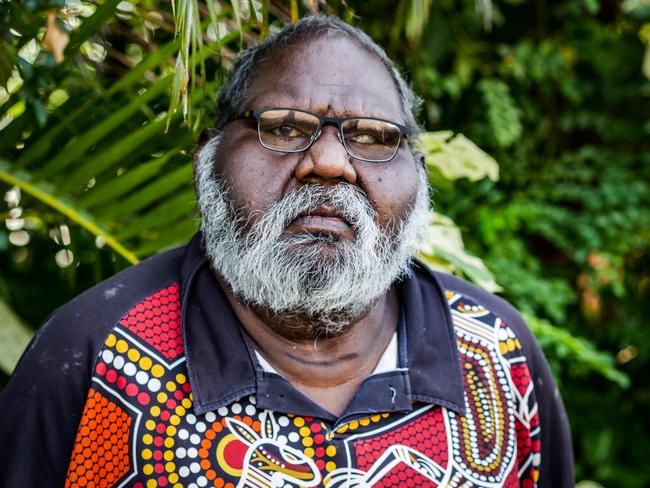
[555, 449]
[556, 470]
[41, 406]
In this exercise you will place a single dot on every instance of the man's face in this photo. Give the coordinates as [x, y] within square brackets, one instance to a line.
[323, 233]
[333, 77]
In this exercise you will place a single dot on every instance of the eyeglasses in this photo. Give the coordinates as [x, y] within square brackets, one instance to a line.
[365, 138]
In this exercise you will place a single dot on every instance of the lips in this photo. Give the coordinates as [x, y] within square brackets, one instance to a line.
[322, 219]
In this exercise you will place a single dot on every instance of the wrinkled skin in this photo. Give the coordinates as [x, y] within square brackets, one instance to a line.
[332, 77]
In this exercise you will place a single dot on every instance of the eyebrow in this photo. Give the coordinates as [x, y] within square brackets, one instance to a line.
[252, 105]
[289, 97]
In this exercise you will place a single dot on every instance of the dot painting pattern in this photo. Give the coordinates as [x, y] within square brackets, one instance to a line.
[100, 456]
[157, 321]
[426, 434]
[138, 427]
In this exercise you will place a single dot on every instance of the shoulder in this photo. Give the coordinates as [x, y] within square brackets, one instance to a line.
[481, 317]
[468, 300]
[108, 300]
[479, 297]
[72, 336]
[494, 342]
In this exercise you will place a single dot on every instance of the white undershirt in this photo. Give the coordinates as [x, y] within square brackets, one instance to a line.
[387, 362]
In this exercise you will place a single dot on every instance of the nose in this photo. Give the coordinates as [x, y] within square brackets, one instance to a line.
[326, 161]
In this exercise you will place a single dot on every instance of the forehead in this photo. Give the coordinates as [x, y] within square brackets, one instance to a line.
[331, 75]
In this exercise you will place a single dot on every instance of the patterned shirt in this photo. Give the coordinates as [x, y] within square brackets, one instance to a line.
[148, 380]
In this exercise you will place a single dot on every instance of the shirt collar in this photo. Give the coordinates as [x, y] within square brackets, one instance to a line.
[222, 368]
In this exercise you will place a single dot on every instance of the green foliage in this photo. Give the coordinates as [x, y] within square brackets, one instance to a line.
[581, 353]
[444, 250]
[557, 93]
[452, 157]
[449, 157]
[104, 140]
[14, 336]
[502, 113]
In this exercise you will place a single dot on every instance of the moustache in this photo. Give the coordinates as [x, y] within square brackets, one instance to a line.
[342, 201]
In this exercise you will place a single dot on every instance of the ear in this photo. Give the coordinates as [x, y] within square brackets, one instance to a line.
[420, 157]
[242, 431]
[269, 427]
[205, 136]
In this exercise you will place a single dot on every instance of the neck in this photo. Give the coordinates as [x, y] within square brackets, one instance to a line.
[326, 368]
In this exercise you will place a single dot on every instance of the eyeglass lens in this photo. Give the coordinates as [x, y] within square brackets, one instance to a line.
[293, 130]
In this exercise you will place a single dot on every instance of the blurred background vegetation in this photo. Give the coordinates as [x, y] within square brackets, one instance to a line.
[538, 147]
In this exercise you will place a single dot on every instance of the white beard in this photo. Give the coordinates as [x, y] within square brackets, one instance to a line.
[292, 276]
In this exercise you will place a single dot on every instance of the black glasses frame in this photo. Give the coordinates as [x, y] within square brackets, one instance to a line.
[336, 121]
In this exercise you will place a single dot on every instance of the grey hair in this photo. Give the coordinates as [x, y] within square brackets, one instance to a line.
[233, 93]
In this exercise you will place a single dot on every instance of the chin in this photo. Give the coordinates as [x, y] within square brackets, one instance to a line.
[314, 238]
[318, 326]
[314, 248]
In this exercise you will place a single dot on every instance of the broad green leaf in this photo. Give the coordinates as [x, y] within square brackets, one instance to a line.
[456, 156]
[443, 249]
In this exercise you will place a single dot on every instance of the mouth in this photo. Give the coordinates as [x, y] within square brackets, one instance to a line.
[322, 220]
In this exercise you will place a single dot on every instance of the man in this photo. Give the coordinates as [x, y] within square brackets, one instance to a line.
[293, 342]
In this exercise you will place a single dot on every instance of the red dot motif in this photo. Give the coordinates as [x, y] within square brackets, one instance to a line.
[157, 321]
[425, 434]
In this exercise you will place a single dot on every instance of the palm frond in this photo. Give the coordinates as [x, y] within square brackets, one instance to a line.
[105, 164]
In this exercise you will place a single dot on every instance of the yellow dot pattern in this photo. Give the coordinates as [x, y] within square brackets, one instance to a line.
[133, 354]
[121, 346]
[110, 340]
[355, 424]
[509, 345]
[145, 363]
